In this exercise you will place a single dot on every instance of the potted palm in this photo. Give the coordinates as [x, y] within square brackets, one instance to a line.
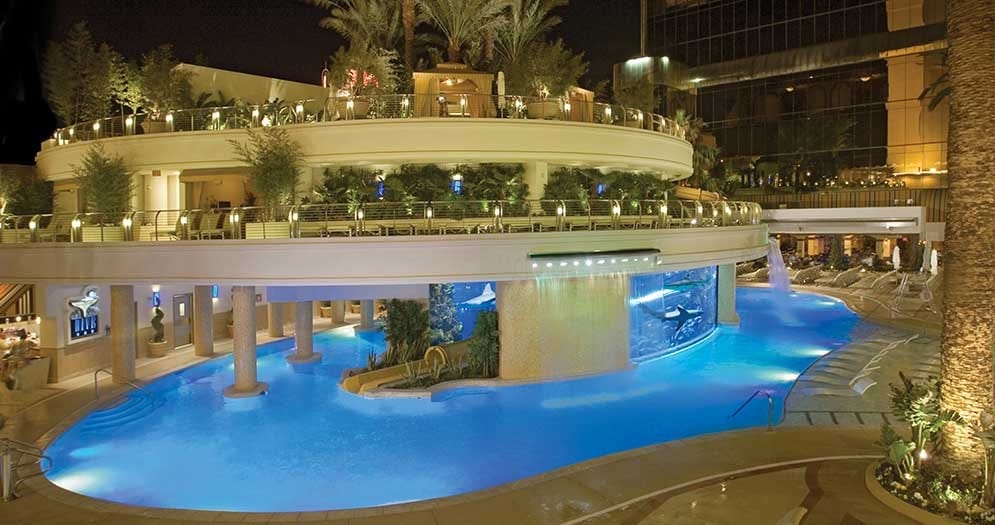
[158, 345]
[274, 161]
[106, 186]
[165, 86]
[545, 72]
[359, 72]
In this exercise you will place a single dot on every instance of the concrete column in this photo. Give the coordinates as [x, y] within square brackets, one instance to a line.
[727, 294]
[536, 176]
[338, 312]
[274, 319]
[173, 192]
[554, 327]
[366, 314]
[304, 334]
[123, 333]
[244, 320]
[203, 321]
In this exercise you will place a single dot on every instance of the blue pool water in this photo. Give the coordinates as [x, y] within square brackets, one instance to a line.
[308, 445]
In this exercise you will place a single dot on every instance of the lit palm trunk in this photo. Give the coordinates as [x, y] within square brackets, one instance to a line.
[968, 336]
[408, 20]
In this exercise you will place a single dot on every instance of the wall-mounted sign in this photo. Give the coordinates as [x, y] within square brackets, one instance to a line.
[84, 315]
[215, 291]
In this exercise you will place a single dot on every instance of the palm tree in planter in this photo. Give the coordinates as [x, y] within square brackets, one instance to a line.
[166, 88]
[274, 161]
[969, 319]
[107, 186]
[463, 21]
[546, 72]
[359, 72]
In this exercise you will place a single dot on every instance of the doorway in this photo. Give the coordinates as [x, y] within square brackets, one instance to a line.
[182, 325]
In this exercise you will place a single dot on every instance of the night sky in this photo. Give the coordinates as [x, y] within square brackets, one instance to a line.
[278, 38]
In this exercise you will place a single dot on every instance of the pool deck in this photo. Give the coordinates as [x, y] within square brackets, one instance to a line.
[748, 476]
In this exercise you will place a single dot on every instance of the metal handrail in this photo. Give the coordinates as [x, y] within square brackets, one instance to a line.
[10, 464]
[373, 107]
[770, 407]
[96, 390]
[386, 217]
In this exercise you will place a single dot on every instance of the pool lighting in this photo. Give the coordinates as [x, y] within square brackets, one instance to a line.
[535, 265]
[625, 260]
[646, 259]
[564, 263]
[588, 262]
[613, 261]
[576, 263]
[601, 261]
[549, 265]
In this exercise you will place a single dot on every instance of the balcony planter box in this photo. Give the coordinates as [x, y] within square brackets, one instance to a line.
[545, 109]
[155, 126]
[360, 108]
[158, 349]
[267, 230]
[111, 232]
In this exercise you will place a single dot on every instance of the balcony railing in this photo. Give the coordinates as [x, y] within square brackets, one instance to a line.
[933, 199]
[376, 218]
[455, 106]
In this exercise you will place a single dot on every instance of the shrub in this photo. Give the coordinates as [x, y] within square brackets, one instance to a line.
[104, 181]
[406, 332]
[347, 185]
[274, 159]
[485, 345]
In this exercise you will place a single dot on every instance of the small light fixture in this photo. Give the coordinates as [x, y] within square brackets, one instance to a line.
[428, 212]
[789, 89]
[169, 118]
[32, 225]
[96, 126]
[126, 222]
[184, 220]
[216, 115]
[215, 291]
[299, 108]
[865, 78]
[266, 121]
[76, 224]
[255, 113]
[129, 121]
[72, 131]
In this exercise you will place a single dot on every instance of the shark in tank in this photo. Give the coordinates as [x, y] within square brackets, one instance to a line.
[485, 296]
[680, 315]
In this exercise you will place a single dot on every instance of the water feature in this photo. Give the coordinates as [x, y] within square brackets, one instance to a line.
[308, 445]
[778, 276]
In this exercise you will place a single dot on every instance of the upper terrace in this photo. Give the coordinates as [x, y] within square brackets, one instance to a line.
[364, 130]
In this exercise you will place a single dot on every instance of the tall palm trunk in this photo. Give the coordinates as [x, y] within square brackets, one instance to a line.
[969, 319]
[408, 19]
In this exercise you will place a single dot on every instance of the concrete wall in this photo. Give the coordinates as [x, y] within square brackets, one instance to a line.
[563, 327]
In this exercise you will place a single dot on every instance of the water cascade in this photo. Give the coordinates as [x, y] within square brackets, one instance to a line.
[778, 276]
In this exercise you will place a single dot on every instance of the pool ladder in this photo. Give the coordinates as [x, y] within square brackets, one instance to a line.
[770, 407]
[96, 389]
[15, 455]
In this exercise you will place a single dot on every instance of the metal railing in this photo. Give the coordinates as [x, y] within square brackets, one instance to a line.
[446, 105]
[375, 218]
[770, 407]
[96, 390]
[13, 454]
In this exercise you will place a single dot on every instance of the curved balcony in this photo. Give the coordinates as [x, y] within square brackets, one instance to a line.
[380, 242]
[390, 130]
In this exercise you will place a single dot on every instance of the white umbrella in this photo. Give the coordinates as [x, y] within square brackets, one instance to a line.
[925, 258]
[896, 258]
[500, 89]
[934, 266]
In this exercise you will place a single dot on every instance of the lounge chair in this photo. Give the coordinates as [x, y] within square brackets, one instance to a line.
[806, 275]
[758, 275]
[842, 279]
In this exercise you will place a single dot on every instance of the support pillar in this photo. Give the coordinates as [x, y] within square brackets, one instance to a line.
[727, 294]
[366, 314]
[536, 176]
[203, 321]
[274, 319]
[123, 333]
[244, 345]
[338, 312]
[304, 334]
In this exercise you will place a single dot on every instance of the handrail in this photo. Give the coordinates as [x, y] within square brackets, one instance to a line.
[96, 390]
[770, 407]
[375, 107]
[376, 217]
[9, 465]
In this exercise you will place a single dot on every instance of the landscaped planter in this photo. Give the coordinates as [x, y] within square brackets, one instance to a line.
[155, 126]
[106, 233]
[158, 349]
[359, 108]
[267, 230]
[545, 109]
[900, 506]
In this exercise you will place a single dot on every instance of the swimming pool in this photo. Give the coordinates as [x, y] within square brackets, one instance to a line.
[308, 445]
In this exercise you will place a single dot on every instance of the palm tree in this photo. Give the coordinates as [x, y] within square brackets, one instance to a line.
[705, 155]
[409, 19]
[969, 319]
[463, 21]
[370, 23]
[527, 21]
[939, 89]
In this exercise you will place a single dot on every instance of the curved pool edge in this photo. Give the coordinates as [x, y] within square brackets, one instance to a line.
[43, 485]
[797, 446]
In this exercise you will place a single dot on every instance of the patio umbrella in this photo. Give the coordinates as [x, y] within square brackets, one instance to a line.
[500, 89]
[925, 258]
[896, 258]
[934, 266]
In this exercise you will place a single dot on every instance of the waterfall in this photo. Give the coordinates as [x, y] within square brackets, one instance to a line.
[778, 276]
